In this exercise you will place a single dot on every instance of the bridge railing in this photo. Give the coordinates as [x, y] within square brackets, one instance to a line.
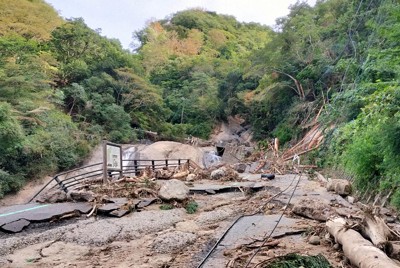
[94, 172]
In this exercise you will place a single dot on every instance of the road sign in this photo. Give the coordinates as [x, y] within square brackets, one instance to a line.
[112, 158]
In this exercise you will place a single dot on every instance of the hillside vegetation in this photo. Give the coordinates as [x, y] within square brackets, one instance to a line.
[64, 87]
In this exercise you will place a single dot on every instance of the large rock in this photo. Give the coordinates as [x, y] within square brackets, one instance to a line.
[240, 167]
[85, 196]
[173, 190]
[53, 196]
[218, 174]
[314, 240]
[225, 173]
[172, 150]
[191, 177]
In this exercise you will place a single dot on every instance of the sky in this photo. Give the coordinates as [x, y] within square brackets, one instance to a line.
[120, 18]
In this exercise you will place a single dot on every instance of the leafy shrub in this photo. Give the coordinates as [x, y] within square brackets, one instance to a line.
[369, 148]
[295, 260]
[166, 207]
[191, 207]
[9, 183]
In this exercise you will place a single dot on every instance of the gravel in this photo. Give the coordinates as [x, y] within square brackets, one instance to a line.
[12, 243]
[138, 224]
[96, 231]
[173, 241]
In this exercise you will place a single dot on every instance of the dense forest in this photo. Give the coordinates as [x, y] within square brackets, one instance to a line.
[64, 87]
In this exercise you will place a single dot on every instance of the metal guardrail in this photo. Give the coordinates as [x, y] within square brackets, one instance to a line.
[64, 181]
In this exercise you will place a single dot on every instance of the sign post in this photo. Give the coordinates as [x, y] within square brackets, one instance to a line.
[112, 159]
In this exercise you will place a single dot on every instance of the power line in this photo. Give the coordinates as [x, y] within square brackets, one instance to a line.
[276, 225]
[248, 215]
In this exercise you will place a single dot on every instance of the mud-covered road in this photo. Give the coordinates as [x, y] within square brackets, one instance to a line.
[173, 238]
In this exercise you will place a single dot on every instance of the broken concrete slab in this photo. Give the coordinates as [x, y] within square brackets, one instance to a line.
[15, 226]
[210, 191]
[8, 210]
[250, 228]
[118, 200]
[117, 203]
[146, 202]
[107, 208]
[39, 213]
[11, 217]
[119, 212]
[213, 188]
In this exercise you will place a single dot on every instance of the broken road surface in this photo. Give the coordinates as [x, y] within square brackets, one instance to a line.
[174, 238]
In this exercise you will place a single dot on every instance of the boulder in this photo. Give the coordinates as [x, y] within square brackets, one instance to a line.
[164, 174]
[83, 196]
[314, 240]
[218, 174]
[351, 199]
[173, 190]
[53, 196]
[191, 177]
[239, 167]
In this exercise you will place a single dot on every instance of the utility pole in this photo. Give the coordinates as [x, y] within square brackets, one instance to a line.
[183, 108]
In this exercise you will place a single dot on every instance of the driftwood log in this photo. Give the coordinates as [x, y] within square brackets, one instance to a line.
[321, 178]
[377, 231]
[341, 187]
[358, 250]
[181, 175]
[316, 209]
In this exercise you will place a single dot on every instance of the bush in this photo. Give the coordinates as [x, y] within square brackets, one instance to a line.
[368, 148]
[9, 183]
[267, 113]
[191, 207]
[201, 130]
[284, 132]
[395, 201]
[166, 207]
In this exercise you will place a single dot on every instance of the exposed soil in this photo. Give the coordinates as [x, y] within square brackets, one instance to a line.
[25, 193]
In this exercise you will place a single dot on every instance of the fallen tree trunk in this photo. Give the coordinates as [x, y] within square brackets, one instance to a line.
[358, 250]
[341, 187]
[316, 209]
[321, 178]
[377, 231]
[180, 175]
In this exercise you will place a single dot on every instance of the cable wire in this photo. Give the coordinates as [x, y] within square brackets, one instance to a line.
[276, 225]
[245, 215]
